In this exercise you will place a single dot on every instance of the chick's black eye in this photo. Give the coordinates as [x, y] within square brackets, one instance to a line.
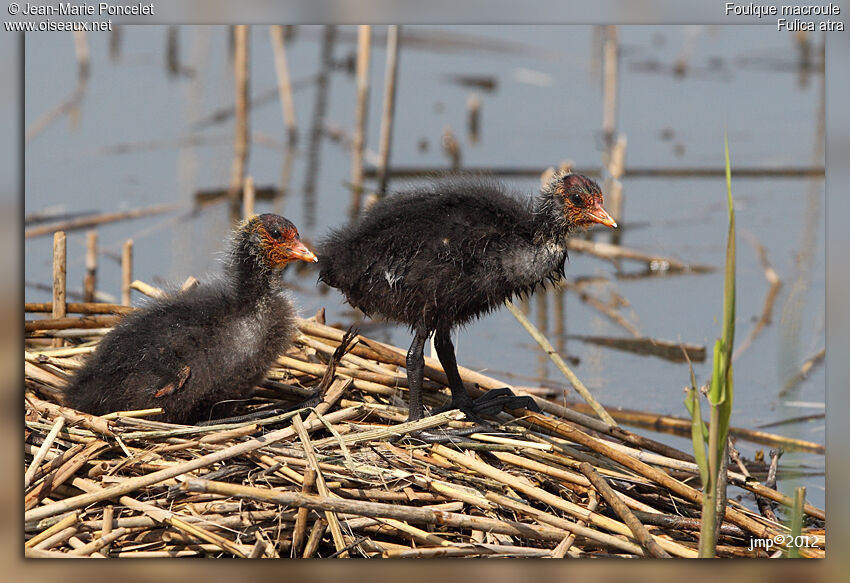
[576, 199]
[275, 233]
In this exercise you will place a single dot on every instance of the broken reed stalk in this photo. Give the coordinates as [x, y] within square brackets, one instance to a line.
[126, 271]
[361, 113]
[610, 51]
[639, 530]
[240, 136]
[284, 85]
[98, 219]
[614, 252]
[90, 278]
[612, 314]
[107, 522]
[613, 187]
[390, 76]
[301, 517]
[562, 366]
[321, 486]
[60, 257]
[42, 452]
[565, 545]
[248, 198]
[42, 538]
[767, 311]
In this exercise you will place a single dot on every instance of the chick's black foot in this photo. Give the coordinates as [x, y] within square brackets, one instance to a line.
[449, 435]
[497, 400]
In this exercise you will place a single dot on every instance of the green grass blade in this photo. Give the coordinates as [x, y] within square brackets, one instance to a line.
[699, 432]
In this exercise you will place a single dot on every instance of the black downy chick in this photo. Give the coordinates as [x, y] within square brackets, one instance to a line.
[195, 352]
[440, 256]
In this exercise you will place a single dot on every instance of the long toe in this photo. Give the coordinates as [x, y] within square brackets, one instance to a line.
[456, 436]
[497, 400]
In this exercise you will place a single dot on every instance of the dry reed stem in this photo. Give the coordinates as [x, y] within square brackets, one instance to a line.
[565, 546]
[361, 111]
[301, 517]
[674, 486]
[240, 134]
[375, 509]
[98, 543]
[615, 252]
[134, 484]
[321, 486]
[60, 257]
[90, 278]
[56, 539]
[390, 76]
[638, 530]
[562, 366]
[71, 519]
[248, 196]
[767, 311]
[148, 290]
[126, 271]
[571, 527]
[42, 452]
[91, 422]
[551, 499]
[80, 308]
[284, 85]
[99, 219]
[609, 83]
[167, 517]
[315, 538]
[600, 306]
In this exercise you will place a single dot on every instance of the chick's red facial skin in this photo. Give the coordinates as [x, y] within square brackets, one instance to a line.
[583, 201]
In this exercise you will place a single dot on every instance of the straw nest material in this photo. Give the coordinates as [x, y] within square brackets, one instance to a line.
[347, 479]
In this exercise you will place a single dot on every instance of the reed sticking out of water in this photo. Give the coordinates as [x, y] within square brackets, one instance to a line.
[712, 464]
[317, 124]
[240, 137]
[609, 84]
[126, 271]
[389, 107]
[60, 256]
[361, 111]
[248, 197]
[81, 50]
[284, 85]
[473, 118]
[90, 278]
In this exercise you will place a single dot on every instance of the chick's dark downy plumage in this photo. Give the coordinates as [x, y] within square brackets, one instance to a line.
[439, 257]
[195, 352]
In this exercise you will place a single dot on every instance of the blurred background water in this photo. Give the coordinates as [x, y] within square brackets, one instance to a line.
[143, 134]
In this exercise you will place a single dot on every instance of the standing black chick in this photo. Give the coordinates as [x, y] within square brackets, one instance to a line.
[193, 352]
[439, 257]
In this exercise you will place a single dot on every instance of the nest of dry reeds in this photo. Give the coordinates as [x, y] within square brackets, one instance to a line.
[349, 478]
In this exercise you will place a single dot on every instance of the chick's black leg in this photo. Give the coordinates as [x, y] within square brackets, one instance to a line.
[416, 373]
[446, 353]
[490, 403]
